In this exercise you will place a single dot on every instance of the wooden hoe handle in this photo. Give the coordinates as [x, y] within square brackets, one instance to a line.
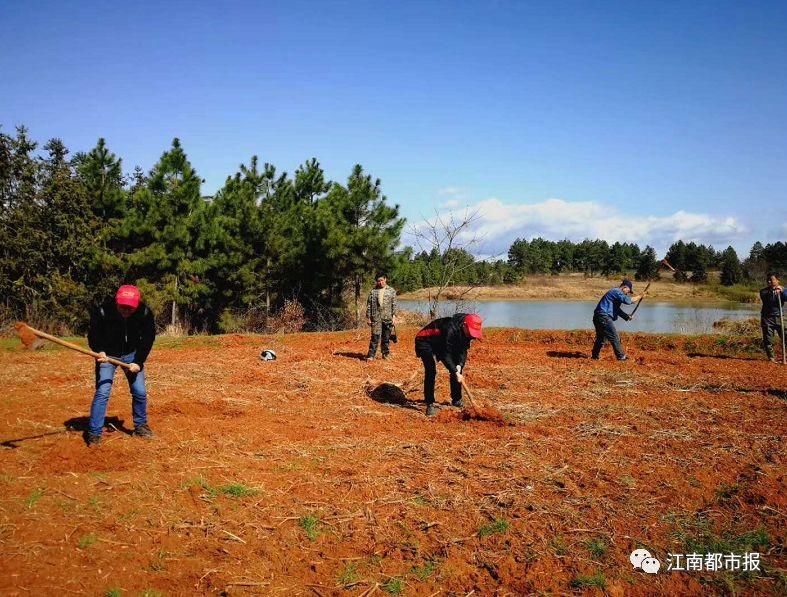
[73, 346]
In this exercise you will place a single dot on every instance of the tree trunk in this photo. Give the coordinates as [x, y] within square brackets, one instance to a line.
[267, 288]
[175, 306]
[357, 301]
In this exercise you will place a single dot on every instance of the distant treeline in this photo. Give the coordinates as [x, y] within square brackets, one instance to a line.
[266, 245]
[591, 257]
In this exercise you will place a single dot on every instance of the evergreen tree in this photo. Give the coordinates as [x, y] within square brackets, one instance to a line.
[731, 272]
[161, 232]
[647, 266]
[363, 232]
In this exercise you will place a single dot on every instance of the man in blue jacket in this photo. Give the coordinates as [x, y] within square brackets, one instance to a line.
[606, 313]
[770, 315]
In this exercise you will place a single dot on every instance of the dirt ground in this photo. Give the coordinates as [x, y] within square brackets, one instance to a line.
[286, 478]
[574, 287]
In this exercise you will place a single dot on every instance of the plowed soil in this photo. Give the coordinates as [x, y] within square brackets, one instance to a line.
[293, 477]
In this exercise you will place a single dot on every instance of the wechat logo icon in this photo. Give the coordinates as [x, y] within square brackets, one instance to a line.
[642, 560]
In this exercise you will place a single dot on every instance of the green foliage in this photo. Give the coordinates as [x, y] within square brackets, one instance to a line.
[393, 586]
[597, 580]
[597, 547]
[113, 593]
[349, 575]
[497, 527]
[741, 293]
[86, 541]
[73, 228]
[426, 570]
[237, 490]
[731, 271]
[35, 495]
[698, 535]
[647, 266]
[210, 492]
[311, 526]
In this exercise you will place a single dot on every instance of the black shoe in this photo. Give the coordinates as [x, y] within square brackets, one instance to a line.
[143, 431]
[92, 439]
[386, 357]
[458, 403]
[431, 410]
[595, 358]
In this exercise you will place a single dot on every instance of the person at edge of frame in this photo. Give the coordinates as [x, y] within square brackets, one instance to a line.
[770, 315]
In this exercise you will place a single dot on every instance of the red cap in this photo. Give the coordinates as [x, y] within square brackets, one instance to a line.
[128, 295]
[473, 325]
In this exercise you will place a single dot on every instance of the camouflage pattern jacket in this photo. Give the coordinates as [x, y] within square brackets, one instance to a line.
[378, 313]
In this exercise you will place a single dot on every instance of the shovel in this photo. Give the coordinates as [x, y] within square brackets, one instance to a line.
[28, 336]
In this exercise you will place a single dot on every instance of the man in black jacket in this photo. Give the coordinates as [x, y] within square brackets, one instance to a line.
[772, 296]
[123, 328]
[446, 340]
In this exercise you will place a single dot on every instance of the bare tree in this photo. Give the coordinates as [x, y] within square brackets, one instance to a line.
[451, 236]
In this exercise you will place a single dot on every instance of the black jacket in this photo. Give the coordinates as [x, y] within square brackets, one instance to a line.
[770, 302]
[115, 335]
[445, 338]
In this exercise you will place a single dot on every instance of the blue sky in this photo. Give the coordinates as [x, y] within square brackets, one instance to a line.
[643, 121]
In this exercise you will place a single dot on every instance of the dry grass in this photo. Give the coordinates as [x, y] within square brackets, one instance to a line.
[571, 287]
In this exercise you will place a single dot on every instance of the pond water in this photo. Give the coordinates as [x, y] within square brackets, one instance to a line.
[666, 318]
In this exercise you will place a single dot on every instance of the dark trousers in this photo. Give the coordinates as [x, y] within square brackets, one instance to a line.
[606, 332]
[430, 373]
[387, 327]
[770, 326]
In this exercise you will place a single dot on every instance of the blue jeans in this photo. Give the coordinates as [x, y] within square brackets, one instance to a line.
[605, 331]
[105, 373]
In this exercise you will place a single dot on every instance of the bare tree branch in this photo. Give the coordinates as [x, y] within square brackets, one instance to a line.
[445, 234]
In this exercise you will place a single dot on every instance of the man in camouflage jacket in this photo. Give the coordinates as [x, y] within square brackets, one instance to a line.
[380, 314]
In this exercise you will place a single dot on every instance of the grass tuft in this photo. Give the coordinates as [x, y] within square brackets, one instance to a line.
[597, 547]
[348, 576]
[597, 580]
[426, 570]
[499, 526]
[311, 526]
[35, 495]
[86, 541]
[237, 490]
[393, 586]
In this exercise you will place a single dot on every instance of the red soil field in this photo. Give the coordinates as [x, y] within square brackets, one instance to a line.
[288, 478]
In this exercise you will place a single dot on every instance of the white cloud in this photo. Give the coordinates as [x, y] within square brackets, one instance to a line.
[450, 204]
[500, 223]
[450, 191]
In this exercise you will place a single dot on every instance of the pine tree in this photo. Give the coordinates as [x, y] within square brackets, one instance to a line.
[363, 230]
[731, 272]
[647, 266]
[161, 232]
